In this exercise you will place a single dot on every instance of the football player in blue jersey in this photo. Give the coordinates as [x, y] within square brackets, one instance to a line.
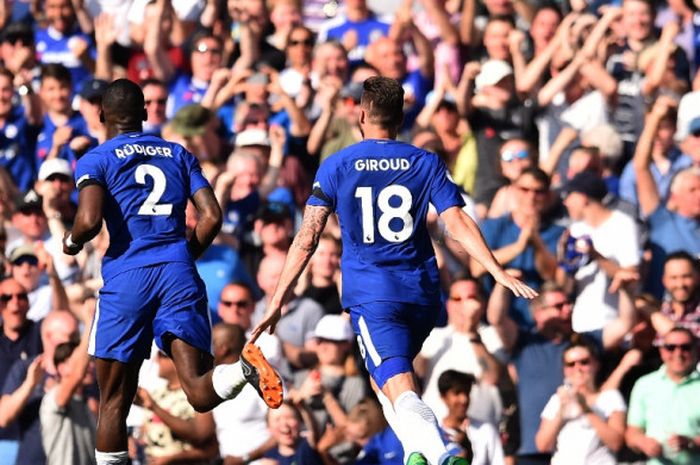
[140, 185]
[380, 190]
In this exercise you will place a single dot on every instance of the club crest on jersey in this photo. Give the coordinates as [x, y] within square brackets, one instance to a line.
[391, 164]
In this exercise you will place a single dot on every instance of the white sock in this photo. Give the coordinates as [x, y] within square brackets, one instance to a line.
[111, 458]
[228, 380]
[389, 412]
[417, 418]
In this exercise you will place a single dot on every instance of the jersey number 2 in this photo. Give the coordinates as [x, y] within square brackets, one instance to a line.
[388, 212]
[151, 206]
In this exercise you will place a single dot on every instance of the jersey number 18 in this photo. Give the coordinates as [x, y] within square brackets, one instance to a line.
[402, 211]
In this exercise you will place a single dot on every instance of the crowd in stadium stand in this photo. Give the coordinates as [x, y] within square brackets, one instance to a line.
[572, 128]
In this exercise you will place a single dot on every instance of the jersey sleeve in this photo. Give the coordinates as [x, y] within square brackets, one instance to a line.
[324, 190]
[90, 170]
[443, 191]
[197, 179]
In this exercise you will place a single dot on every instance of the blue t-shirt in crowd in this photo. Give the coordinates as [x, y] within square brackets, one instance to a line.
[147, 183]
[538, 362]
[303, 455]
[54, 47]
[367, 30]
[45, 140]
[628, 178]
[17, 149]
[419, 87]
[380, 190]
[502, 231]
[184, 89]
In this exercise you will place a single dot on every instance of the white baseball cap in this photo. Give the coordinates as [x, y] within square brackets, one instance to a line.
[334, 328]
[492, 72]
[54, 166]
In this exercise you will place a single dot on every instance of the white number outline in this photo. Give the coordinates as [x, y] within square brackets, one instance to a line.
[150, 206]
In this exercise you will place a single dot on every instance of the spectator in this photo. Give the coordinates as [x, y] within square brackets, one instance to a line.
[663, 414]
[526, 238]
[20, 339]
[480, 440]
[537, 354]
[673, 224]
[240, 423]
[67, 424]
[580, 423]
[273, 227]
[612, 241]
[356, 28]
[155, 95]
[324, 275]
[516, 156]
[285, 427]
[466, 345]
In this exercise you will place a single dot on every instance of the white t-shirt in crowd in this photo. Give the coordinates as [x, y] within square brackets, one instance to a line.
[578, 442]
[447, 349]
[616, 239]
[240, 423]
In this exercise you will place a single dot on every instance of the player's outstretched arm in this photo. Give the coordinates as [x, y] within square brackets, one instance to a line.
[299, 254]
[463, 229]
[209, 219]
[88, 219]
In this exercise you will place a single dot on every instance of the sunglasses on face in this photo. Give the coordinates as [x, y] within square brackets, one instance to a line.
[687, 347]
[509, 155]
[204, 48]
[5, 298]
[305, 42]
[235, 303]
[33, 261]
[584, 362]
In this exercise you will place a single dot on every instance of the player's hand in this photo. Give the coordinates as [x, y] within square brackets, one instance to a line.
[518, 288]
[270, 321]
[68, 248]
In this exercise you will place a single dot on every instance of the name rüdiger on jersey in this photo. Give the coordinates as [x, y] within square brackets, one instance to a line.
[127, 150]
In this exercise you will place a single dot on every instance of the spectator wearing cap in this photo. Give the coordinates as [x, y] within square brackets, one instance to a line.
[63, 41]
[666, 157]
[608, 239]
[674, 223]
[32, 222]
[155, 97]
[664, 412]
[329, 390]
[18, 130]
[299, 318]
[273, 229]
[689, 141]
[19, 339]
[194, 127]
[55, 187]
[494, 115]
[61, 123]
[29, 264]
[607, 141]
[356, 27]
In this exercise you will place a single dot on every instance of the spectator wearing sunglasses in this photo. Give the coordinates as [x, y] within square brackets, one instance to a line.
[524, 238]
[19, 339]
[516, 155]
[580, 423]
[663, 421]
[155, 95]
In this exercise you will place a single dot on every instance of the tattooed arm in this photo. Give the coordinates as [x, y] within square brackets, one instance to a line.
[300, 252]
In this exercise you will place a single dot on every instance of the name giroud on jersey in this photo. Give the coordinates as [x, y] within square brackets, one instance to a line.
[394, 164]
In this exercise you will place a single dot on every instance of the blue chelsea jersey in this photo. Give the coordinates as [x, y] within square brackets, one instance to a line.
[381, 190]
[147, 183]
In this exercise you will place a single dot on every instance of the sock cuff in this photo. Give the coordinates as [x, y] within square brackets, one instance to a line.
[111, 458]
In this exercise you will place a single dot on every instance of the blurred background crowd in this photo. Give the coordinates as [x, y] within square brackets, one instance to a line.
[573, 129]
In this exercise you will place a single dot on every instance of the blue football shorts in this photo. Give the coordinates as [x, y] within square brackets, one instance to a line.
[141, 304]
[390, 335]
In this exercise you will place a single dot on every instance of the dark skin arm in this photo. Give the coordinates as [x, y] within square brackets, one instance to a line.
[209, 223]
[88, 219]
